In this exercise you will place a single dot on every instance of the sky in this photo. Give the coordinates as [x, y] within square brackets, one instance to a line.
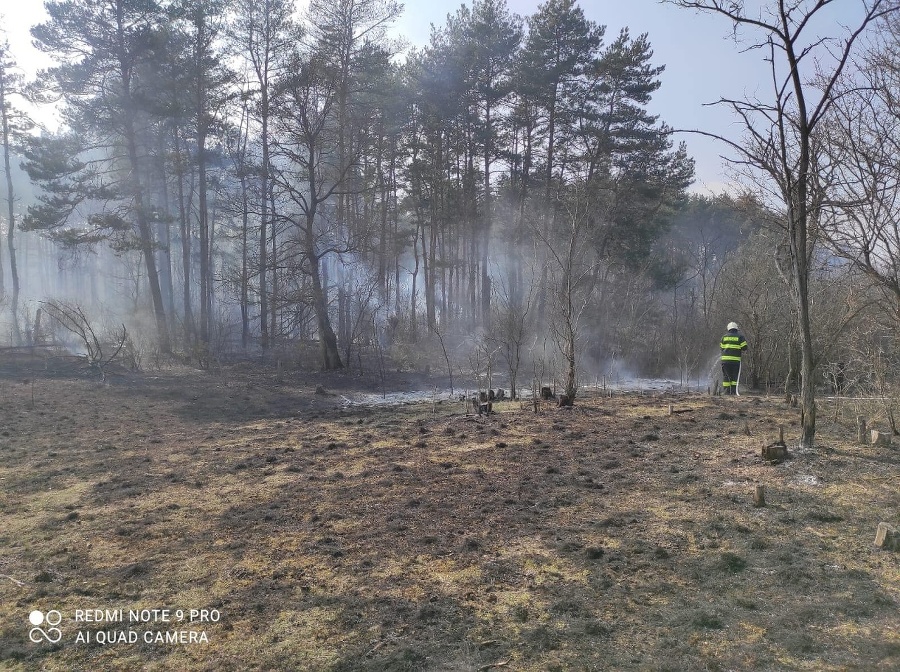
[702, 64]
[703, 61]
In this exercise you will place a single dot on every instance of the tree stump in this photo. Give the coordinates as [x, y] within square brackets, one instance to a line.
[777, 451]
[546, 393]
[887, 537]
[480, 406]
[861, 436]
[880, 439]
[774, 452]
[759, 496]
[564, 401]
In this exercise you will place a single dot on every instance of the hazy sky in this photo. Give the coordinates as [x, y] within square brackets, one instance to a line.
[702, 61]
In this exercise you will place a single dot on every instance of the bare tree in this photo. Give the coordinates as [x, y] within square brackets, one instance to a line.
[862, 217]
[778, 148]
[437, 329]
[364, 306]
[72, 318]
[511, 312]
[572, 266]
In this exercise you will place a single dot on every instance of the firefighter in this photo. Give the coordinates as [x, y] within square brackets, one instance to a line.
[733, 344]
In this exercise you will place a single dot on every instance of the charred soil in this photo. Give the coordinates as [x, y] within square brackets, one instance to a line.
[615, 535]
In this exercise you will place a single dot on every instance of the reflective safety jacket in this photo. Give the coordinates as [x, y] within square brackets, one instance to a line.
[733, 344]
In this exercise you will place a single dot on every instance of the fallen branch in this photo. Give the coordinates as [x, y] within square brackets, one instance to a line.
[376, 647]
[6, 576]
[502, 663]
[73, 319]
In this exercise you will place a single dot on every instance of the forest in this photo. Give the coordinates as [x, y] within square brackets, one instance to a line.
[261, 224]
[235, 177]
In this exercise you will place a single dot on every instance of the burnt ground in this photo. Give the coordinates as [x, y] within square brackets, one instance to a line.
[610, 536]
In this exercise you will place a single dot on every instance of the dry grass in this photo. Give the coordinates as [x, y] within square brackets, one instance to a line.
[612, 536]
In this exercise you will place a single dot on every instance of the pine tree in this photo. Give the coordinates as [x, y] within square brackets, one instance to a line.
[99, 48]
[13, 124]
[562, 46]
[266, 37]
[206, 83]
[307, 173]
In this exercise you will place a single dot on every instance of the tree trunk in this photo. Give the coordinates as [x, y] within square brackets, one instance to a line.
[413, 324]
[273, 268]
[203, 225]
[328, 345]
[185, 231]
[263, 223]
[245, 263]
[202, 113]
[164, 232]
[807, 380]
[10, 195]
[147, 243]
[486, 231]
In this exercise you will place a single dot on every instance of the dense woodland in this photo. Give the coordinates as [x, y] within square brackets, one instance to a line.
[239, 176]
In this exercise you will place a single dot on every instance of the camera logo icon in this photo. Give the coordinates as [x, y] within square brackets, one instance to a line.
[38, 634]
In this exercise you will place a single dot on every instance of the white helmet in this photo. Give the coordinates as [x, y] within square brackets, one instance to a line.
[731, 325]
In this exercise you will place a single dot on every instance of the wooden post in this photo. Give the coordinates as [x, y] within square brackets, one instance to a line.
[759, 496]
[781, 434]
[671, 409]
[861, 437]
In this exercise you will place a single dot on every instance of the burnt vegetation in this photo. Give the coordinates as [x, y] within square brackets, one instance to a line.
[334, 537]
[257, 232]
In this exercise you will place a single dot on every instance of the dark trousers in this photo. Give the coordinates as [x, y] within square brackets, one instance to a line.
[730, 372]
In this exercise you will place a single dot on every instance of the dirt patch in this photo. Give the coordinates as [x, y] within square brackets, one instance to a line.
[613, 535]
